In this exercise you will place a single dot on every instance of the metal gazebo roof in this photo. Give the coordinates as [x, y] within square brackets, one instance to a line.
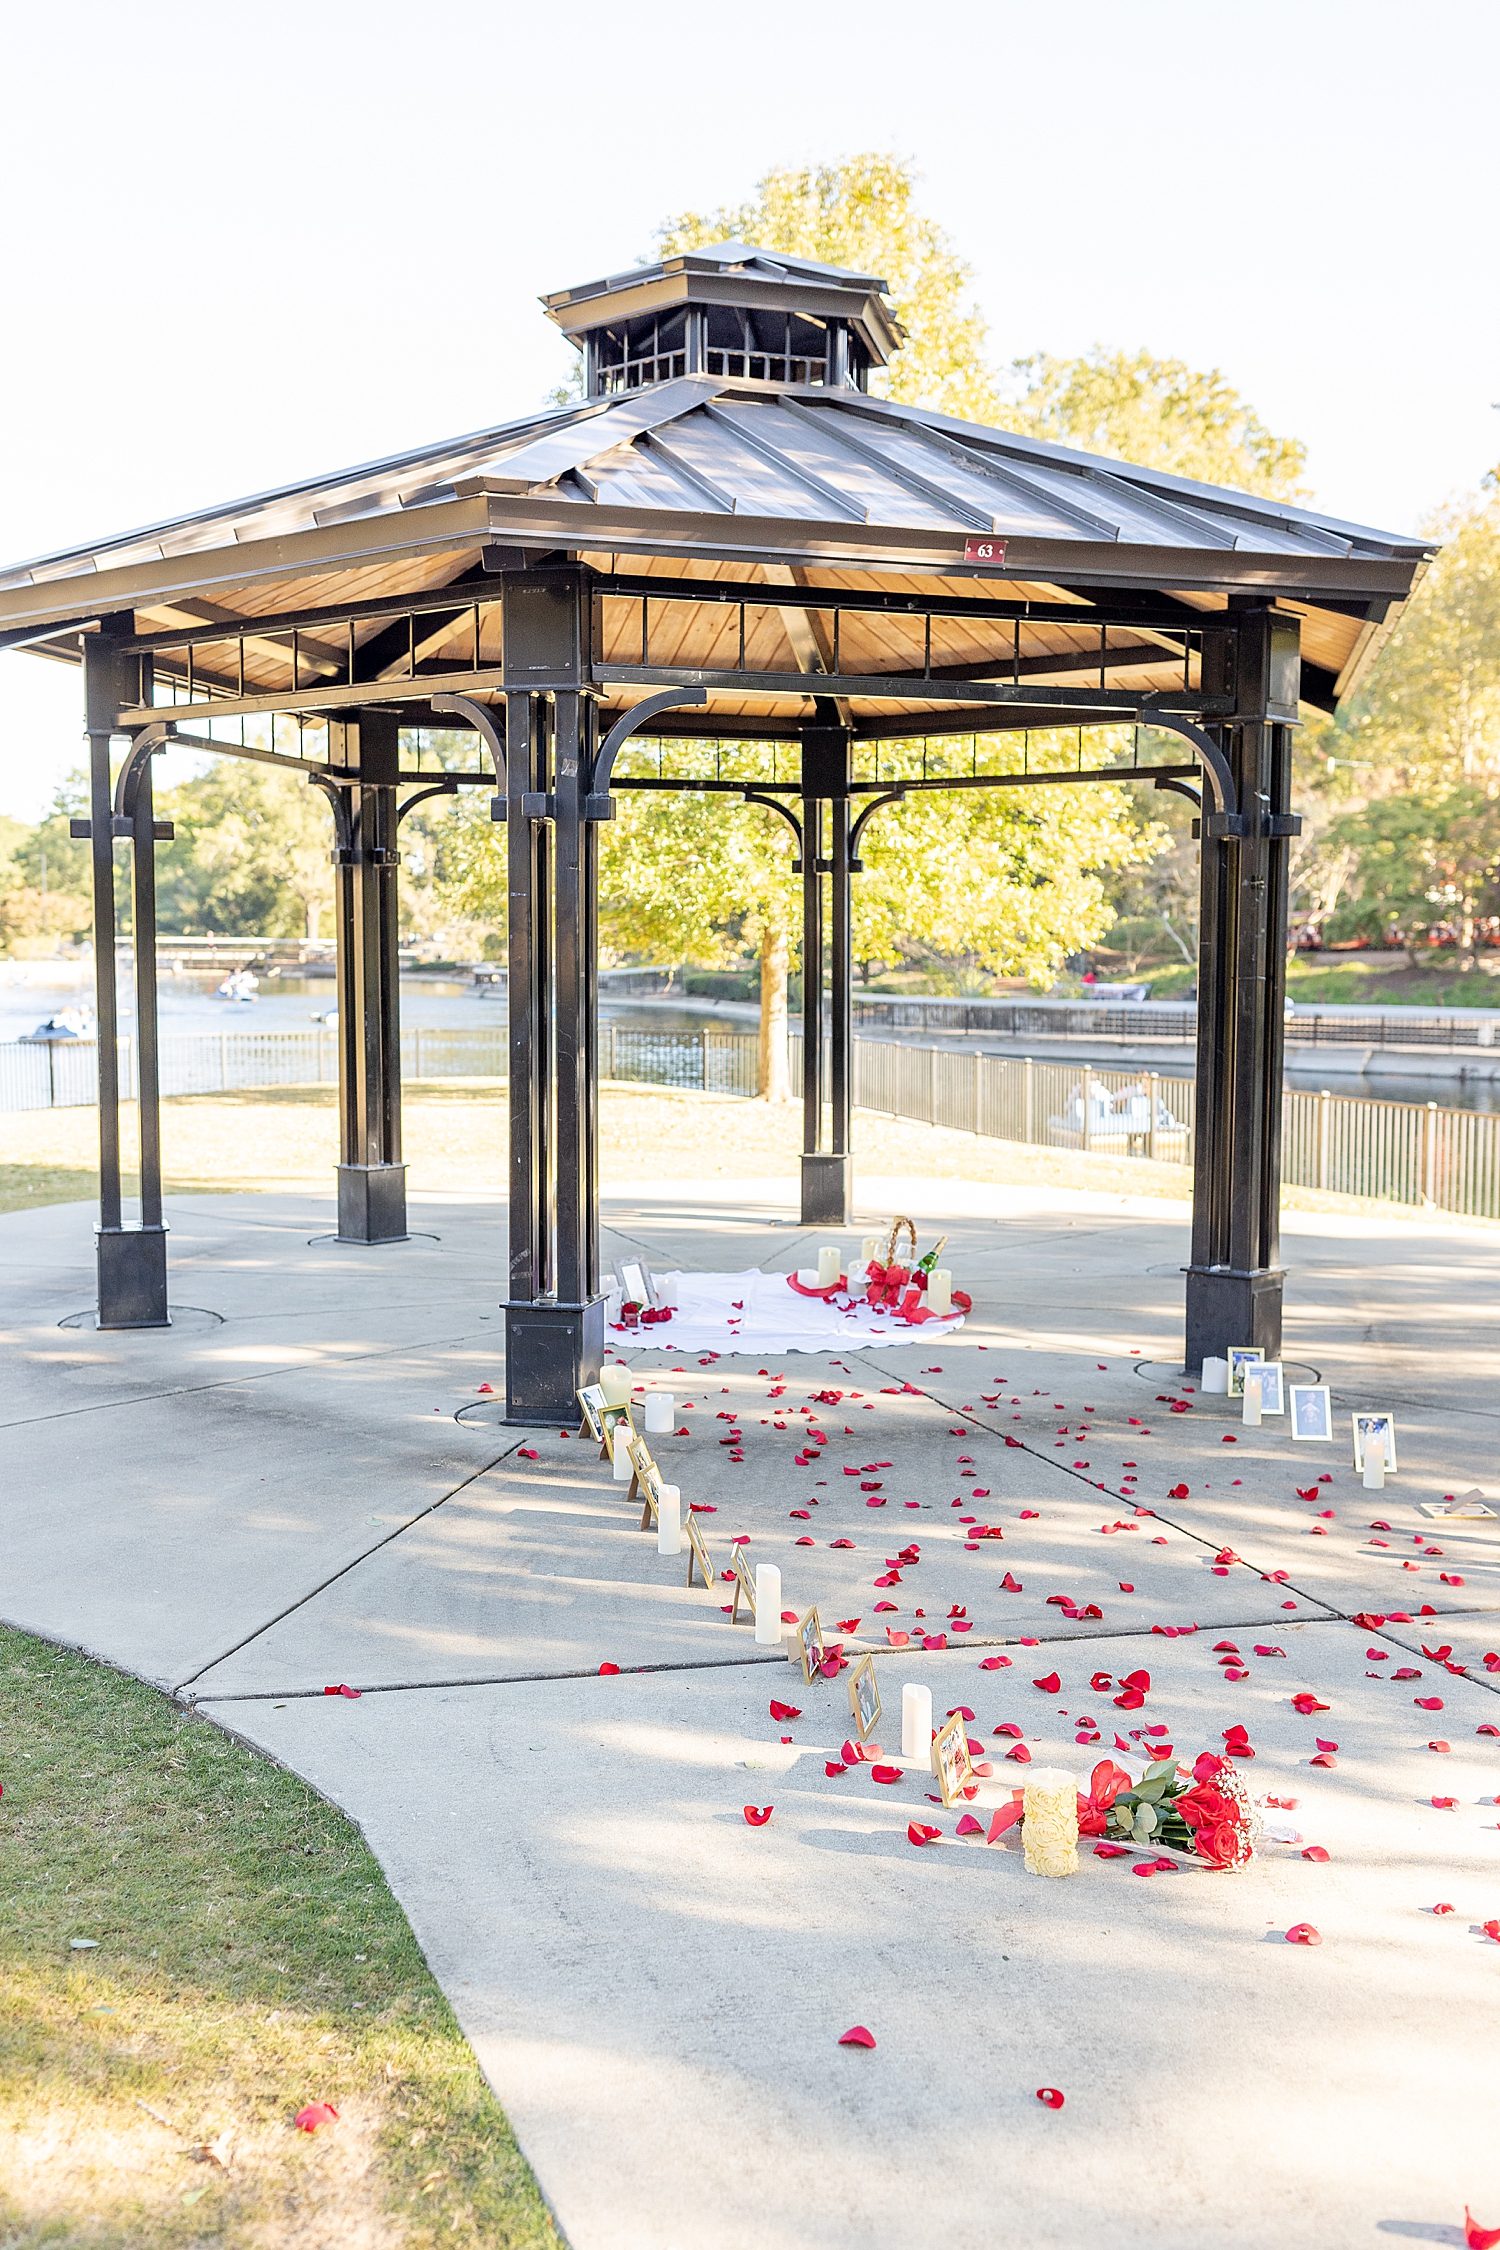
[751, 482]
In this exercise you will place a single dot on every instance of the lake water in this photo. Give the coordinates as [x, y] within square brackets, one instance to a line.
[187, 1003]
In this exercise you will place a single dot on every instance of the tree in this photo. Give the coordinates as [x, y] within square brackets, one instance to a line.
[1008, 879]
[1429, 713]
[250, 856]
[1425, 862]
[1157, 413]
[863, 214]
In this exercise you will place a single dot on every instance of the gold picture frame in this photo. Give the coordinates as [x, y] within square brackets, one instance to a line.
[744, 1587]
[951, 1761]
[698, 1552]
[864, 1698]
[810, 1638]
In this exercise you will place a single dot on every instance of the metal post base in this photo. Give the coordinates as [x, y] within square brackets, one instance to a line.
[1226, 1308]
[826, 1185]
[132, 1277]
[551, 1351]
[372, 1202]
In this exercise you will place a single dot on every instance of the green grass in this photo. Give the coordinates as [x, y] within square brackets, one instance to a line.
[250, 1959]
[24, 1186]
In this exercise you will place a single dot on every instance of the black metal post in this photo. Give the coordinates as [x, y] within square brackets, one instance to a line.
[554, 1315]
[825, 1169]
[371, 1175]
[131, 1261]
[1234, 1283]
[151, 1238]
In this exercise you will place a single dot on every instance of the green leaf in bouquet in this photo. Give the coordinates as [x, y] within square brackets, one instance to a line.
[1161, 1769]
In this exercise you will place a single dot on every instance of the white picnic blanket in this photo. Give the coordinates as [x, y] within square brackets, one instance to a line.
[761, 1312]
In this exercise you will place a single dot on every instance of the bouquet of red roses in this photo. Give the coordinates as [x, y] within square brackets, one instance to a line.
[1209, 1813]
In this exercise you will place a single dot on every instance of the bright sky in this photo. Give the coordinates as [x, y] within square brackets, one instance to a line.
[247, 245]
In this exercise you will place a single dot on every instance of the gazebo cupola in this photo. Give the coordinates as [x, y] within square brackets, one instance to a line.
[729, 310]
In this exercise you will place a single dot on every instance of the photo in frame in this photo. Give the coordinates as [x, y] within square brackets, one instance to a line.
[698, 1552]
[864, 1698]
[950, 1759]
[809, 1645]
[1377, 1430]
[595, 1406]
[1311, 1412]
[1241, 1356]
[645, 1480]
[744, 1587]
[1272, 1399]
[635, 1282]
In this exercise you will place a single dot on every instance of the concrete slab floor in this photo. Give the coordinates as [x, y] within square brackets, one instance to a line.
[304, 1483]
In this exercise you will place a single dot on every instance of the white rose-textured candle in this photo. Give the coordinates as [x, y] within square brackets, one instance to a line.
[1050, 1828]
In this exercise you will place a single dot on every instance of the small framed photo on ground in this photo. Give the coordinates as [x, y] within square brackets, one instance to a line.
[1311, 1412]
[864, 1698]
[950, 1758]
[810, 1645]
[635, 1282]
[646, 1481]
[1241, 1357]
[1462, 1507]
[595, 1406]
[1272, 1397]
[697, 1552]
[1374, 1431]
[744, 1587]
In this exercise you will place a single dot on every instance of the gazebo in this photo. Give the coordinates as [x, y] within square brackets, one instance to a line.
[725, 536]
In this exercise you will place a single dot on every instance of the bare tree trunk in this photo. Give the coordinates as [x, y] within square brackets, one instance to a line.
[775, 960]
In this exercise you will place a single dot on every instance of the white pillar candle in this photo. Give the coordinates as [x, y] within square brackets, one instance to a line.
[940, 1290]
[768, 1605]
[1253, 1394]
[858, 1275]
[1050, 1831]
[615, 1384]
[830, 1265]
[916, 1724]
[869, 1249]
[1375, 1468]
[624, 1466]
[1216, 1376]
[669, 1521]
[659, 1416]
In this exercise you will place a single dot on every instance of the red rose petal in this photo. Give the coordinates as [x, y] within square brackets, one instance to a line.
[918, 1832]
[606, 1669]
[1049, 2095]
[758, 1815]
[857, 2036]
[785, 1711]
[1303, 1933]
[1476, 2236]
[315, 2114]
[885, 1773]
[1020, 1753]
[1315, 1851]
[343, 1688]
[1049, 1683]
[1109, 1851]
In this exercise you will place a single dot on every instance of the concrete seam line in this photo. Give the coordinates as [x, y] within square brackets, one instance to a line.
[232, 1382]
[334, 1576]
[725, 1663]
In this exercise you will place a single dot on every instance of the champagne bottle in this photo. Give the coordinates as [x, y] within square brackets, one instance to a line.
[925, 1265]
